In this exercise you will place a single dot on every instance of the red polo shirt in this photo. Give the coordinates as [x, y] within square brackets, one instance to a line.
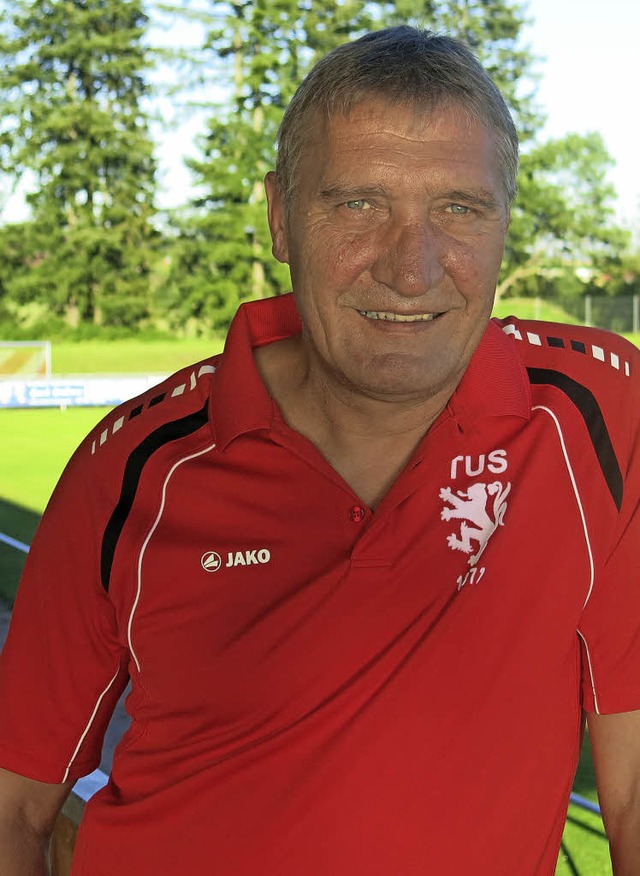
[318, 689]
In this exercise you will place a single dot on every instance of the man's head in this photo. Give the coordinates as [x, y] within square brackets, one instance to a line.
[402, 66]
[390, 205]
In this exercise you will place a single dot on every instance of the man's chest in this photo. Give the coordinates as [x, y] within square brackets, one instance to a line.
[263, 584]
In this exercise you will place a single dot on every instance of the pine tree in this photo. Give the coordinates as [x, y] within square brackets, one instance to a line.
[71, 95]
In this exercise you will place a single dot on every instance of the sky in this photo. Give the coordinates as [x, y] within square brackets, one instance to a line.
[589, 78]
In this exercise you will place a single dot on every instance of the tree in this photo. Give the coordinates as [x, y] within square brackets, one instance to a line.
[562, 220]
[71, 95]
[260, 50]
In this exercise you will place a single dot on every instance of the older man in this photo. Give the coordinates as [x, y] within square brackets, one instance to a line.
[366, 569]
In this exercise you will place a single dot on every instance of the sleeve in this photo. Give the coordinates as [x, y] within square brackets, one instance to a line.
[63, 667]
[610, 625]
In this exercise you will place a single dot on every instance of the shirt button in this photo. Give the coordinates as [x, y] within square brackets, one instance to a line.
[357, 514]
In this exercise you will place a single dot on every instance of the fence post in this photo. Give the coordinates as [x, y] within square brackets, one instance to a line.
[636, 314]
[587, 310]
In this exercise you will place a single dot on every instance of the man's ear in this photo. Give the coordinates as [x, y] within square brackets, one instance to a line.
[277, 219]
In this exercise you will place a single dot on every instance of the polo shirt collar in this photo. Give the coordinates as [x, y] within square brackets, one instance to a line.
[239, 399]
[494, 384]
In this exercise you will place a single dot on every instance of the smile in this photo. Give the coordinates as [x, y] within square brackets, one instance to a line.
[398, 317]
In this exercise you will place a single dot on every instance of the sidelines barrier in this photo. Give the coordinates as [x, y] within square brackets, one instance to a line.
[13, 542]
[74, 391]
[66, 828]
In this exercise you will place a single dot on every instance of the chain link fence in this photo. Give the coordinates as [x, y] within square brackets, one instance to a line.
[619, 314]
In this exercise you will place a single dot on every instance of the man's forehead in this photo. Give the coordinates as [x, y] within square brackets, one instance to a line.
[402, 140]
[411, 117]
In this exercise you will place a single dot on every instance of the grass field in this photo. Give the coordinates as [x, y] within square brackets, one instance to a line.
[36, 445]
[531, 308]
[130, 356]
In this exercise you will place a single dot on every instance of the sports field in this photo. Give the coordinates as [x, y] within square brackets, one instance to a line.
[36, 444]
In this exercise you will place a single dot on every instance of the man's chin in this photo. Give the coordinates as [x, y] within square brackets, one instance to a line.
[400, 384]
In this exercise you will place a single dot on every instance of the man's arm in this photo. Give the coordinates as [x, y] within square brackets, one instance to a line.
[615, 745]
[28, 811]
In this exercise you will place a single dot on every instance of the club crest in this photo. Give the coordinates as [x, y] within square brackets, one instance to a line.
[481, 509]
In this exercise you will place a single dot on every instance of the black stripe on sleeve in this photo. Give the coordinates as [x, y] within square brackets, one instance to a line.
[586, 403]
[131, 478]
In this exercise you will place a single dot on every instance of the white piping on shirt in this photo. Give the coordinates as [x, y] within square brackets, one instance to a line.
[88, 727]
[593, 686]
[148, 539]
[586, 535]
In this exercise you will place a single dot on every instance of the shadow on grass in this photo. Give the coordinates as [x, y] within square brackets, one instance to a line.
[568, 859]
[19, 523]
[585, 780]
[581, 823]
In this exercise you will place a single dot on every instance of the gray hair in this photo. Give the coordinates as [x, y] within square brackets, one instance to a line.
[402, 65]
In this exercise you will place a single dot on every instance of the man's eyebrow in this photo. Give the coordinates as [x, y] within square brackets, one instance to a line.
[473, 197]
[339, 192]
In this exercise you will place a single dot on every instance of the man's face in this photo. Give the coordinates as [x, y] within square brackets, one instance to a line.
[394, 242]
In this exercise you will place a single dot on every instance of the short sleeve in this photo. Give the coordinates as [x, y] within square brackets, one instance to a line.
[62, 668]
[610, 625]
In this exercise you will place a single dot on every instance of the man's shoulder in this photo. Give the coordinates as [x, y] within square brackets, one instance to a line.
[601, 361]
[173, 408]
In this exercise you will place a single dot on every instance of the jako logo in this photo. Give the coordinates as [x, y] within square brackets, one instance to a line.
[212, 561]
[247, 558]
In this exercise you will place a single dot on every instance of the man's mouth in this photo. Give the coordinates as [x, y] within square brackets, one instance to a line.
[390, 316]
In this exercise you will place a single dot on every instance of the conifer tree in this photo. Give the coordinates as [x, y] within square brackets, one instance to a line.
[71, 94]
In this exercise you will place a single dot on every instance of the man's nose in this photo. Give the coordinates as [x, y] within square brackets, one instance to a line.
[409, 261]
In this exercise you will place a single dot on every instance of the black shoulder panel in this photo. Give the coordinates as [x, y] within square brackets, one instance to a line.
[586, 403]
[132, 472]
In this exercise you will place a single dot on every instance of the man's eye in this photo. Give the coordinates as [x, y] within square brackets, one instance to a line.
[459, 209]
[359, 204]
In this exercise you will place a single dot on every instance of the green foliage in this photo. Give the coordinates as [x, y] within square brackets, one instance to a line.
[562, 230]
[71, 91]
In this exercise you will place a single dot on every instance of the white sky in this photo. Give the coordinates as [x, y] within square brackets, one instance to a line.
[590, 78]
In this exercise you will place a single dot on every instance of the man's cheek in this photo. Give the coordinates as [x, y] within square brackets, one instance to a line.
[352, 257]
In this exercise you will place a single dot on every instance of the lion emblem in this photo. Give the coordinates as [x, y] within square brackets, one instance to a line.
[478, 521]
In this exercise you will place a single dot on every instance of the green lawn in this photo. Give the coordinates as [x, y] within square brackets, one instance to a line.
[531, 308]
[585, 849]
[130, 355]
[36, 445]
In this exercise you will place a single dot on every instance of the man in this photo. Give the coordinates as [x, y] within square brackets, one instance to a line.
[366, 569]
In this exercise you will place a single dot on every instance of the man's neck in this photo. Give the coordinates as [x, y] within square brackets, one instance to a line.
[367, 440]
